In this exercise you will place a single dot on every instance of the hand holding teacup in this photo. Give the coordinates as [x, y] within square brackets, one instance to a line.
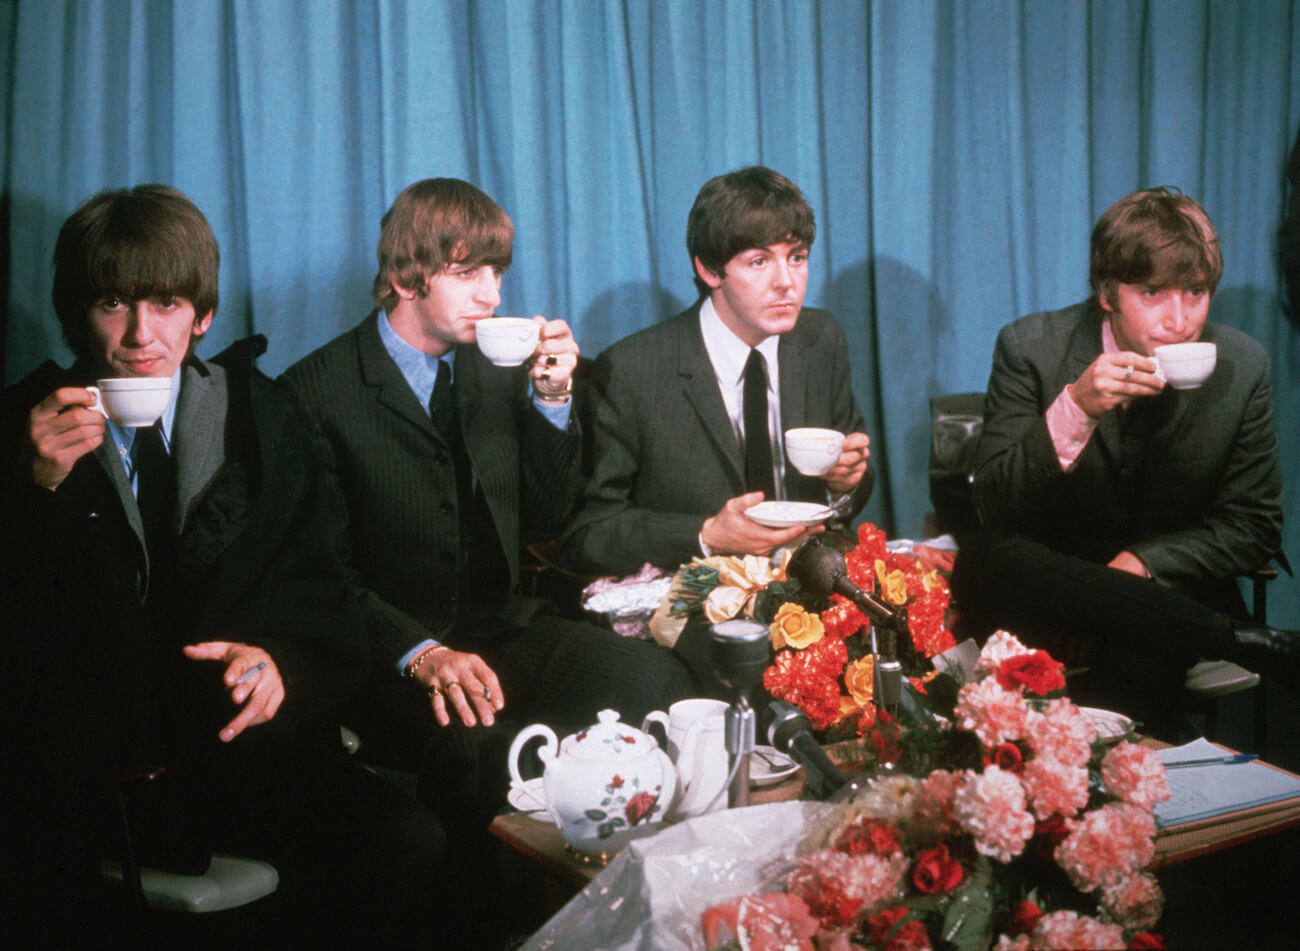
[1115, 379]
[839, 460]
[549, 344]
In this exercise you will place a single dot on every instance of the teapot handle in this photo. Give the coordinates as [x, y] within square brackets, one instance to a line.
[547, 752]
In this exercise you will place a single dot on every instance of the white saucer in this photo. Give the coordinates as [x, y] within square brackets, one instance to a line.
[1111, 726]
[786, 514]
[767, 766]
[530, 797]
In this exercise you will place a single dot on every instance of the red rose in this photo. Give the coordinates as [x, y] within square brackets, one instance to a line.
[1007, 757]
[911, 937]
[639, 806]
[1146, 941]
[936, 872]
[1037, 672]
[882, 922]
[1023, 918]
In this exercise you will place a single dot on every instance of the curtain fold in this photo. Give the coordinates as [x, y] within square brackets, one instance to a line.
[956, 154]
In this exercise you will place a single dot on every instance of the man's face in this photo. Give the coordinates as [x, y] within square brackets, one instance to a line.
[760, 291]
[147, 337]
[458, 297]
[1150, 317]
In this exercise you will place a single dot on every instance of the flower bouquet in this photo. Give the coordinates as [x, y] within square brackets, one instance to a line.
[823, 661]
[995, 819]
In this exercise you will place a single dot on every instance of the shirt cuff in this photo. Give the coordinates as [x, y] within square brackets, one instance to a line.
[557, 414]
[1070, 428]
[414, 652]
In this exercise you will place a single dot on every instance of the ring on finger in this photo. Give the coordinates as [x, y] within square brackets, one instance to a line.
[435, 690]
[1128, 372]
[487, 692]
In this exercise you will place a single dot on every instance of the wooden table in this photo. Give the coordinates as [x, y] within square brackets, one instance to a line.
[566, 872]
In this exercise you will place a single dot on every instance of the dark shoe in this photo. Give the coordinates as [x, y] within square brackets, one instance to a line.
[1270, 652]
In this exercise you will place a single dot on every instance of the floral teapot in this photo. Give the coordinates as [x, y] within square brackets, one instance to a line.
[604, 785]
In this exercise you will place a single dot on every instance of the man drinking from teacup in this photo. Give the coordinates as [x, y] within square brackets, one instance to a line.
[446, 458]
[1124, 488]
[172, 597]
[691, 428]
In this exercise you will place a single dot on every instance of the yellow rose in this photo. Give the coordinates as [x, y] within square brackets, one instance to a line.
[723, 603]
[893, 584]
[795, 627]
[859, 677]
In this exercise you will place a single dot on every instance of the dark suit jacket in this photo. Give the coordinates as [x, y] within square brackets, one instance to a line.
[1189, 481]
[99, 629]
[395, 482]
[666, 457]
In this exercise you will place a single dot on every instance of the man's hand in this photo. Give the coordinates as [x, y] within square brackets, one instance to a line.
[554, 359]
[1127, 561]
[463, 681]
[1115, 379]
[60, 430]
[732, 532]
[851, 466]
[251, 675]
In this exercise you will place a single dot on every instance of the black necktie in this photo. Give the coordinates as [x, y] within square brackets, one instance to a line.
[441, 406]
[758, 441]
[153, 487]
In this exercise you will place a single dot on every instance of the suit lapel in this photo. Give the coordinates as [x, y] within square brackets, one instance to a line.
[111, 465]
[391, 389]
[200, 429]
[700, 384]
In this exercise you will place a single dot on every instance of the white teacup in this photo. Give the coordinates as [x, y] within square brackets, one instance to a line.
[1185, 366]
[507, 341]
[813, 451]
[697, 745]
[132, 401]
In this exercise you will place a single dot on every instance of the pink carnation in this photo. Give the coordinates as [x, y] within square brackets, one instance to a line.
[991, 807]
[1070, 931]
[840, 888]
[1135, 902]
[1000, 647]
[934, 812]
[1053, 788]
[1107, 845]
[1135, 774]
[1007, 943]
[1062, 732]
[994, 714]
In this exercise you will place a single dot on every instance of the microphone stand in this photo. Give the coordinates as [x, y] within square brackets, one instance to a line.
[821, 570]
[741, 652]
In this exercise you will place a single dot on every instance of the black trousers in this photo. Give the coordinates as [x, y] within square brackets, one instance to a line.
[1135, 637]
[360, 864]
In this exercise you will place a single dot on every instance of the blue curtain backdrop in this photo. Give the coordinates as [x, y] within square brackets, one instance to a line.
[956, 155]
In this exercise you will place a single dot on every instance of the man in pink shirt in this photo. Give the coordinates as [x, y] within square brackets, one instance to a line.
[1121, 510]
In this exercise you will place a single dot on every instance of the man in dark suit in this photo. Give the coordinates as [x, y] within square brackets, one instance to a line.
[172, 597]
[1123, 508]
[674, 469]
[445, 464]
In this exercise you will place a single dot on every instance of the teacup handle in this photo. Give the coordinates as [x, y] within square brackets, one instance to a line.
[98, 405]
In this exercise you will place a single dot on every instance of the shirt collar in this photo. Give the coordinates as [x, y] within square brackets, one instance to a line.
[728, 353]
[419, 369]
[1108, 342]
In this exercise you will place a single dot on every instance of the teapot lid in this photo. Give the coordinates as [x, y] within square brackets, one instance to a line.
[609, 737]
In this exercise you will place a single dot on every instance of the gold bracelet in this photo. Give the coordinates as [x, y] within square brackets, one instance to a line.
[414, 666]
[558, 397]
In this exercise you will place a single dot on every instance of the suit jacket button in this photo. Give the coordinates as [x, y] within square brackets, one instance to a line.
[446, 507]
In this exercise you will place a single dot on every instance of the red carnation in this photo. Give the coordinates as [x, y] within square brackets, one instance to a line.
[1023, 918]
[881, 923]
[868, 837]
[639, 806]
[936, 872]
[1036, 671]
[911, 937]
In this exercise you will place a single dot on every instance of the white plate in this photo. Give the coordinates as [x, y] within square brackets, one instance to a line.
[786, 514]
[1111, 726]
[530, 797]
[767, 766]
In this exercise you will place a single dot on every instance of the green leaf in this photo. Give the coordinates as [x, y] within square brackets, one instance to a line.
[967, 924]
